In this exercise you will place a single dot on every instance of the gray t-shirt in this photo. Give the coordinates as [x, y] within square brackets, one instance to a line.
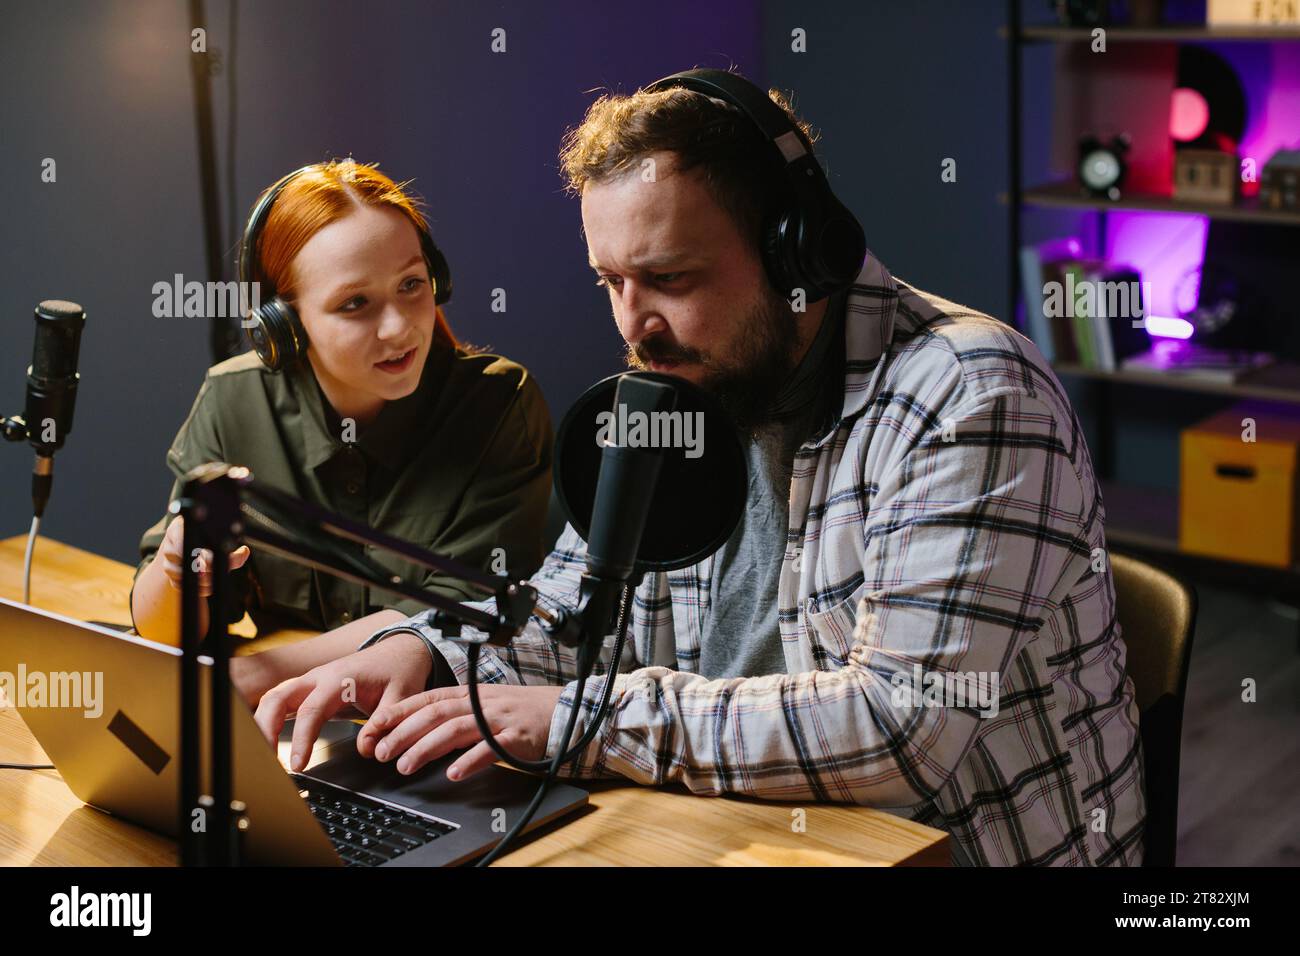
[741, 637]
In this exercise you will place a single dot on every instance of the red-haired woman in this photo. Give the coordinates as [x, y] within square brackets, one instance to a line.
[382, 417]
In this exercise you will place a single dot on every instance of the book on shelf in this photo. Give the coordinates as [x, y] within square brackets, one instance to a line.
[1081, 310]
[1188, 360]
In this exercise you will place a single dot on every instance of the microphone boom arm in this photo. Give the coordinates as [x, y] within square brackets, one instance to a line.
[216, 504]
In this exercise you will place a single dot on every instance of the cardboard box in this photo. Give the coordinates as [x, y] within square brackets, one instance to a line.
[1239, 499]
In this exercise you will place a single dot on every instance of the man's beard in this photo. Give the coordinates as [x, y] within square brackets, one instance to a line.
[748, 378]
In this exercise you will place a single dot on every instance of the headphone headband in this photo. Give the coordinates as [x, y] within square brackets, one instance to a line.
[256, 220]
[815, 243]
[771, 120]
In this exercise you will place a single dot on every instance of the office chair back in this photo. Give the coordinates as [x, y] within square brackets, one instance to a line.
[1157, 614]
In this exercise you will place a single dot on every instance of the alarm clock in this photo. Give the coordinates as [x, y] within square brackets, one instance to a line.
[1101, 165]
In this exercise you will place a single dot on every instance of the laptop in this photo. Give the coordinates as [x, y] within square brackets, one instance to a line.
[109, 720]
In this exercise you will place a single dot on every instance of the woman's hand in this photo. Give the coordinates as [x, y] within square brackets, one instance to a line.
[170, 558]
[156, 596]
[422, 728]
[384, 673]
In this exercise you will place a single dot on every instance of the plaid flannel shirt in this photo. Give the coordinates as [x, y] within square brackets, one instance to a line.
[947, 530]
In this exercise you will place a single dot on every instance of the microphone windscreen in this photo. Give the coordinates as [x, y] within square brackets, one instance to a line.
[703, 480]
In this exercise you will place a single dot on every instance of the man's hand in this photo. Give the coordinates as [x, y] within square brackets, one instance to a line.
[422, 728]
[382, 674]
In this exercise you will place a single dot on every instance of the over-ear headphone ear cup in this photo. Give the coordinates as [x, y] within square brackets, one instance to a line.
[439, 271]
[841, 248]
[776, 259]
[793, 255]
[277, 334]
[441, 275]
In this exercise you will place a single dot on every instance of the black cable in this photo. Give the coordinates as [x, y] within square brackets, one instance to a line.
[543, 789]
[564, 753]
[616, 656]
[584, 668]
[26, 766]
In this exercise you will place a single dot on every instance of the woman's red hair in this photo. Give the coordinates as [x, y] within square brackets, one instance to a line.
[317, 196]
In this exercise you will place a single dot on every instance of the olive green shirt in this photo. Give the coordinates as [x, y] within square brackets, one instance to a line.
[461, 466]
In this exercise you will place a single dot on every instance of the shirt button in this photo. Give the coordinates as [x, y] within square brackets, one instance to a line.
[345, 617]
[353, 487]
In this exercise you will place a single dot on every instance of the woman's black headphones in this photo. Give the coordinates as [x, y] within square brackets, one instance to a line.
[274, 327]
[811, 241]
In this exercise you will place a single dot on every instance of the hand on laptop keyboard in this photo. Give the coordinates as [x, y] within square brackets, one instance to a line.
[423, 728]
[384, 673]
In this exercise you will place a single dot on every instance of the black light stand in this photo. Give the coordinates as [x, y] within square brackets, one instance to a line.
[210, 510]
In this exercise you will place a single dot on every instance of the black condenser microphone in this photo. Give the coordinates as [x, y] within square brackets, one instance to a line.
[52, 389]
[629, 471]
[625, 489]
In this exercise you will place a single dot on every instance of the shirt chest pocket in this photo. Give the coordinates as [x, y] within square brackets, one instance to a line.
[829, 631]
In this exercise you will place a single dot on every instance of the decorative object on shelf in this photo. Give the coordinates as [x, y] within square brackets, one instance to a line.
[1207, 115]
[1238, 498]
[1146, 13]
[1261, 13]
[1205, 176]
[1190, 360]
[1208, 298]
[1279, 186]
[1207, 109]
[1082, 13]
[1102, 166]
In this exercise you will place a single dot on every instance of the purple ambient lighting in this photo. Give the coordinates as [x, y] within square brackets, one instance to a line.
[1162, 247]
[1167, 327]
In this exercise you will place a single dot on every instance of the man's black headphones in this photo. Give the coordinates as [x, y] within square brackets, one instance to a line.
[810, 241]
[274, 327]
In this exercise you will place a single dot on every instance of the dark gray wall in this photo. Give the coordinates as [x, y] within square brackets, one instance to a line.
[894, 89]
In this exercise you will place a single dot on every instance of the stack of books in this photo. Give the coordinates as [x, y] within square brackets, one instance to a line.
[1081, 310]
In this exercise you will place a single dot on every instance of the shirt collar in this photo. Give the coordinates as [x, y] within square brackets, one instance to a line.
[807, 384]
[868, 328]
[870, 309]
[397, 429]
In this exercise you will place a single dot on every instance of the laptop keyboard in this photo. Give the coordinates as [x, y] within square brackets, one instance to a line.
[365, 831]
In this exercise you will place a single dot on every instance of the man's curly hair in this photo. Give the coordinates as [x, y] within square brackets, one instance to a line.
[739, 168]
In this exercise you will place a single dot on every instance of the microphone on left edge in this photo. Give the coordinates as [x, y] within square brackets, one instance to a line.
[51, 391]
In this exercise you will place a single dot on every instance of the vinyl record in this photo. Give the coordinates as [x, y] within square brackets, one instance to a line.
[1216, 99]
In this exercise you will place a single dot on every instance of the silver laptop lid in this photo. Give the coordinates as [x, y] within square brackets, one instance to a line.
[105, 706]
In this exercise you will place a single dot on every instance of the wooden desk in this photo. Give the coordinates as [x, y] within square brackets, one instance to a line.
[42, 822]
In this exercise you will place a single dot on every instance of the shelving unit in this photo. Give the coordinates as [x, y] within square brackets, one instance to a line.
[1279, 382]
[1144, 519]
[1184, 34]
[1067, 196]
